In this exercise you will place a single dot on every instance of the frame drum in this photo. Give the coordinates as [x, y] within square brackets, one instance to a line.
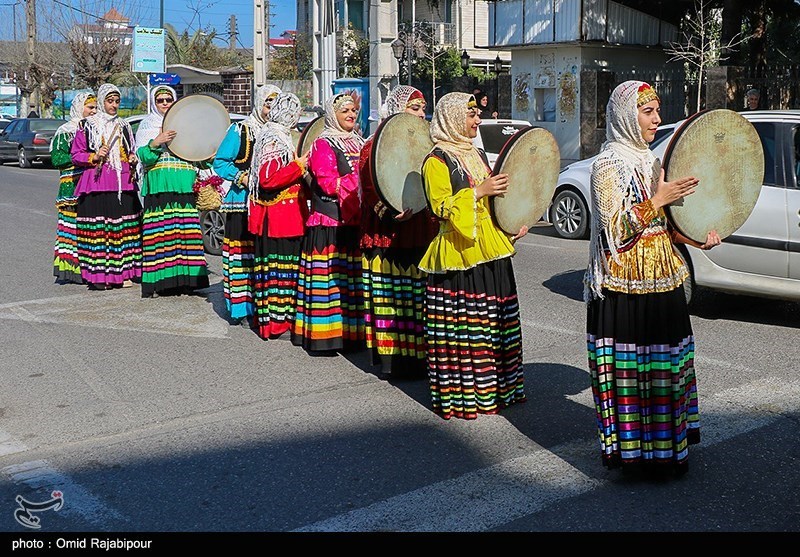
[201, 122]
[723, 151]
[532, 161]
[402, 141]
[309, 134]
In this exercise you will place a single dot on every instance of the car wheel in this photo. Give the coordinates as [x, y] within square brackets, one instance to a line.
[212, 223]
[569, 215]
[22, 158]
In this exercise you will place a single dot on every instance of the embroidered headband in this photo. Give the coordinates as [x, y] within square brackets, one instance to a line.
[645, 95]
[342, 99]
[90, 99]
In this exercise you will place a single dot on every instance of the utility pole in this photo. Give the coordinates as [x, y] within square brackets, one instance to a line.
[234, 33]
[30, 23]
[259, 48]
[266, 38]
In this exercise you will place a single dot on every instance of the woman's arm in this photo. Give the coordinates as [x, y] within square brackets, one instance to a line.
[80, 153]
[273, 176]
[60, 150]
[226, 154]
[460, 209]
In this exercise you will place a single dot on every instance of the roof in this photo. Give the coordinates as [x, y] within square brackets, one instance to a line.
[114, 15]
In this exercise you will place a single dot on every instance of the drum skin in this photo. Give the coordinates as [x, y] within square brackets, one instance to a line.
[402, 141]
[309, 134]
[532, 160]
[201, 122]
[723, 151]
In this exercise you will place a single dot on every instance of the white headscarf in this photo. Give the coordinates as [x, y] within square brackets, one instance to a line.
[399, 99]
[275, 140]
[104, 127]
[150, 126]
[75, 115]
[264, 95]
[346, 141]
[449, 133]
[624, 154]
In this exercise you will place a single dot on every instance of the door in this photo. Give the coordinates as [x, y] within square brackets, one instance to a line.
[793, 209]
[7, 147]
[759, 245]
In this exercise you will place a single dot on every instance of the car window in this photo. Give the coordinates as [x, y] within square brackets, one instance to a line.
[766, 131]
[494, 136]
[45, 125]
[12, 126]
[797, 154]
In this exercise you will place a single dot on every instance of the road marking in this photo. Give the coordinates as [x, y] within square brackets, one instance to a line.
[9, 445]
[38, 474]
[521, 486]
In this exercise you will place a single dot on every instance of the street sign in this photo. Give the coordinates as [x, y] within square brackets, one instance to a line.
[164, 79]
[147, 54]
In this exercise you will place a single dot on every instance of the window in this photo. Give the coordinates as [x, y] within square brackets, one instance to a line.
[766, 131]
[13, 126]
[544, 104]
[46, 125]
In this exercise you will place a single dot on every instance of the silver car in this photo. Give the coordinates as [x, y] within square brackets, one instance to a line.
[762, 258]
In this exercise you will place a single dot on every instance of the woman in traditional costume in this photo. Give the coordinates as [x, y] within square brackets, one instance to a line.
[66, 265]
[232, 162]
[392, 244]
[278, 213]
[473, 327]
[330, 295]
[173, 256]
[638, 333]
[109, 220]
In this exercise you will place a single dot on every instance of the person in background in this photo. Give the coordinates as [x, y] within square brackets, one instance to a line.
[473, 330]
[639, 336]
[330, 291]
[173, 256]
[232, 162]
[487, 112]
[66, 265]
[392, 244]
[109, 213]
[277, 217]
[753, 99]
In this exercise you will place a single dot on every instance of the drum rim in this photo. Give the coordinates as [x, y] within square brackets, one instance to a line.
[306, 130]
[668, 153]
[373, 172]
[501, 157]
[207, 95]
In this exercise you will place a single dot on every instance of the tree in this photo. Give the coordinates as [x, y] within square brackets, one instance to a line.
[354, 49]
[702, 47]
[197, 49]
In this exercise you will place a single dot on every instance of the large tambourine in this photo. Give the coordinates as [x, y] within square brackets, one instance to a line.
[723, 151]
[201, 122]
[532, 160]
[401, 143]
[309, 134]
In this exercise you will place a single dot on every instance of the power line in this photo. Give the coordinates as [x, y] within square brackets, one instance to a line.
[99, 18]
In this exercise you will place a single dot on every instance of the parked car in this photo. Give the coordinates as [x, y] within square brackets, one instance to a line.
[27, 140]
[761, 257]
[493, 134]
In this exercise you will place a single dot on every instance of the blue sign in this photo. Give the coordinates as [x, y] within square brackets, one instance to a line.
[358, 88]
[164, 79]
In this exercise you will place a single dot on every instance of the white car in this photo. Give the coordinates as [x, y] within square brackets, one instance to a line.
[493, 134]
[762, 257]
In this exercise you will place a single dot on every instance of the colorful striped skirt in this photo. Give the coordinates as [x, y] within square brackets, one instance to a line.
[238, 280]
[641, 362]
[394, 310]
[66, 264]
[109, 234]
[474, 340]
[173, 257]
[277, 261]
[330, 291]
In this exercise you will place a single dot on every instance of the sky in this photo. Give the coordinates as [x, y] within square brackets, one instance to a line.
[188, 15]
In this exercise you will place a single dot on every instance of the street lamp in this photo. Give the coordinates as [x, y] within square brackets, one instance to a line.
[497, 66]
[465, 60]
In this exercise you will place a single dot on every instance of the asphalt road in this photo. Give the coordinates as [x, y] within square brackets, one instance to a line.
[159, 415]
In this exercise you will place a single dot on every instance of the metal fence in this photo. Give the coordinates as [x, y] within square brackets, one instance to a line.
[678, 92]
